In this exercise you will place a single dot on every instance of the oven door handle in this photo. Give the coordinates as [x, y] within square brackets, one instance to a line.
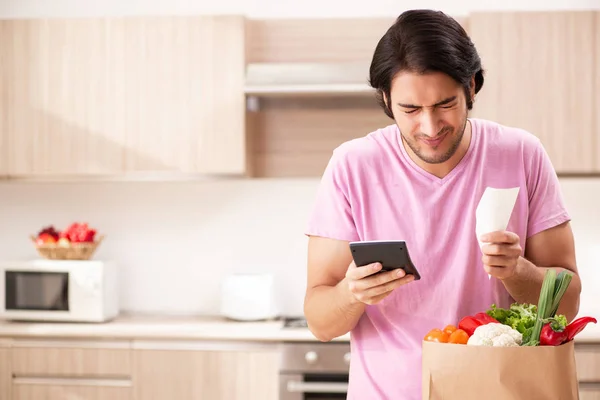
[316, 387]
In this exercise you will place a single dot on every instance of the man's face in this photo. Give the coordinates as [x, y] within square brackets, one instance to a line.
[431, 113]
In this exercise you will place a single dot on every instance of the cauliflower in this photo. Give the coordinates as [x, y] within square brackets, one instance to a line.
[495, 334]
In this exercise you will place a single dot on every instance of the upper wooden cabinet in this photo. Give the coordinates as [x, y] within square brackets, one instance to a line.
[309, 82]
[597, 89]
[120, 95]
[3, 142]
[3, 153]
[542, 76]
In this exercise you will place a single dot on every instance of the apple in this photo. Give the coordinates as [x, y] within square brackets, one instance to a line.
[45, 238]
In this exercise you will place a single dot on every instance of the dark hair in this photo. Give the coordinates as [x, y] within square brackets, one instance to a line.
[423, 41]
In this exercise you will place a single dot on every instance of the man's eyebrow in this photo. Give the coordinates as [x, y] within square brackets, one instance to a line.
[439, 103]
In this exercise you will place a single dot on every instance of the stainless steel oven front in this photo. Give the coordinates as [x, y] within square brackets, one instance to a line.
[314, 370]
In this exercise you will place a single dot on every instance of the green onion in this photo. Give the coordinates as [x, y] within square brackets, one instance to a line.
[553, 289]
[544, 305]
[563, 280]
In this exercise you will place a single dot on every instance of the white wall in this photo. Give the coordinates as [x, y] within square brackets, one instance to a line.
[174, 241]
[272, 8]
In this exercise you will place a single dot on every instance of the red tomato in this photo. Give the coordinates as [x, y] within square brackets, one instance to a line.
[437, 335]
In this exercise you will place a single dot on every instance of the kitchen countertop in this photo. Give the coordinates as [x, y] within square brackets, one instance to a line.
[162, 327]
[188, 328]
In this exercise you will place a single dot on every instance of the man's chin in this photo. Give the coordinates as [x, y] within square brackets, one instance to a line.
[437, 156]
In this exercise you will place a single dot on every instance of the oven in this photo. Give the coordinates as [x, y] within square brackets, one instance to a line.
[314, 370]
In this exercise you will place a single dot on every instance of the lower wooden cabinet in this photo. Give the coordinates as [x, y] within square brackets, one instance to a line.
[205, 371]
[69, 390]
[5, 370]
[166, 370]
[68, 358]
[587, 357]
[70, 369]
[130, 370]
[589, 393]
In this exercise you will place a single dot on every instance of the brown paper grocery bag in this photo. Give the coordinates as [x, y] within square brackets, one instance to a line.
[463, 372]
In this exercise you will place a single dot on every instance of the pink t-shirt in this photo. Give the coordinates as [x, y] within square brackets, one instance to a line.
[372, 190]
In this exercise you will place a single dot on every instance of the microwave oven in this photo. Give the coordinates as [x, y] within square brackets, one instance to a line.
[57, 290]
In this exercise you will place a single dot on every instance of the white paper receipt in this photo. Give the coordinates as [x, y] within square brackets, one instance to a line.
[494, 210]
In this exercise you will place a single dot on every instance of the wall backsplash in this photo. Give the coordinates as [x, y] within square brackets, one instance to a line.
[175, 241]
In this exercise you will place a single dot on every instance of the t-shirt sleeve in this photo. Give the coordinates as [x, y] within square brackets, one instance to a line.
[547, 207]
[331, 215]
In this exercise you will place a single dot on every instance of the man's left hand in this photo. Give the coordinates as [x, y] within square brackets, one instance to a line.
[501, 252]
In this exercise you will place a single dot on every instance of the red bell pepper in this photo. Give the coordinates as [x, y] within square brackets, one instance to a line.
[485, 319]
[469, 324]
[577, 326]
[553, 335]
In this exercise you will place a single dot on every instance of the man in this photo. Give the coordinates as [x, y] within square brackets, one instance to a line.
[420, 180]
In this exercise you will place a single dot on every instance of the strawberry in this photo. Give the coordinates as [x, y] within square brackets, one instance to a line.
[89, 235]
[79, 233]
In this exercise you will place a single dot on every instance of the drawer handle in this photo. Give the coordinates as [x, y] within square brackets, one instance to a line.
[72, 381]
[589, 386]
[316, 387]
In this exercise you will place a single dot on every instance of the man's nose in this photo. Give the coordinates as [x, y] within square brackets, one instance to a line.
[428, 124]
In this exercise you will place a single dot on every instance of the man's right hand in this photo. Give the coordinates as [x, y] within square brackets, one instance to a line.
[368, 286]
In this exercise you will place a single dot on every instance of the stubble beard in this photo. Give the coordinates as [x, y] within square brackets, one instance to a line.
[441, 158]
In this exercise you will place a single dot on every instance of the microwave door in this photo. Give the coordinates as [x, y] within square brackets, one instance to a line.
[37, 291]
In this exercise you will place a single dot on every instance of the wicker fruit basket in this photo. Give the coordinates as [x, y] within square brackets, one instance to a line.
[69, 251]
[77, 242]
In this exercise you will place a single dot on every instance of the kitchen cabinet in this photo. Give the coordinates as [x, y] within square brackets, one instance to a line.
[298, 141]
[587, 358]
[61, 369]
[42, 391]
[307, 86]
[104, 369]
[589, 394]
[5, 370]
[597, 89]
[200, 371]
[3, 144]
[542, 76]
[118, 96]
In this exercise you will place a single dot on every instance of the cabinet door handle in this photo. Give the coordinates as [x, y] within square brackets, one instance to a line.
[316, 387]
[589, 386]
[70, 381]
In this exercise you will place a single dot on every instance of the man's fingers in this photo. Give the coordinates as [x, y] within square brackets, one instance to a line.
[500, 237]
[499, 249]
[375, 294]
[389, 286]
[356, 273]
[369, 286]
[498, 272]
[496, 261]
[376, 280]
